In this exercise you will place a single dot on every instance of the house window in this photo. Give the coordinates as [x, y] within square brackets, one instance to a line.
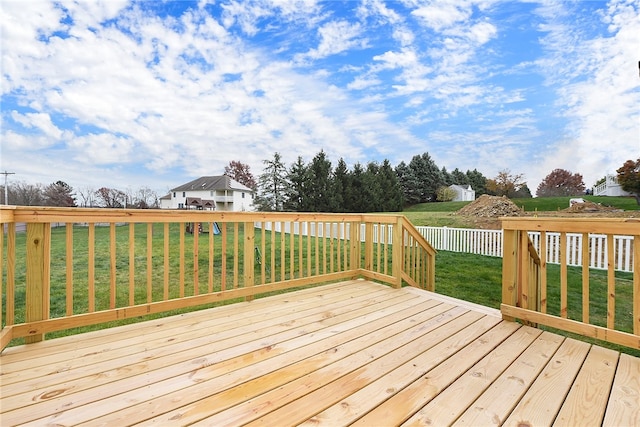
[174, 194]
[184, 194]
[243, 195]
[180, 205]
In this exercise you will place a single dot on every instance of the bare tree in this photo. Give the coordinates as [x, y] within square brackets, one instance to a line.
[23, 194]
[506, 184]
[87, 196]
[145, 198]
[110, 197]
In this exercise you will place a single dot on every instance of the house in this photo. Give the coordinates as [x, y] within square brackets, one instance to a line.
[610, 187]
[219, 193]
[463, 194]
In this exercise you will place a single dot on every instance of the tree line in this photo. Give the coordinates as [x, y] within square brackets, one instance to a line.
[317, 186]
[61, 194]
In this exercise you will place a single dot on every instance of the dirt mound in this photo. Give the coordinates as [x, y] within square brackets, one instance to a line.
[491, 207]
[588, 206]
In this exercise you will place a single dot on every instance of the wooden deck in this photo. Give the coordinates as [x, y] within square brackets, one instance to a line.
[354, 353]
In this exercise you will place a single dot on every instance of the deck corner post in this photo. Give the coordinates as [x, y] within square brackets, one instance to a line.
[397, 252]
[509, 269]
[249, 260]
[37, 275]
[368, 246]
[354, 237]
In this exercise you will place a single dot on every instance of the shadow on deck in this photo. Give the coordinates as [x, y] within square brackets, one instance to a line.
[353, 352]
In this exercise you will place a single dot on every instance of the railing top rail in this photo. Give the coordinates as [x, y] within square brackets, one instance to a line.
[83, 215]
[623, 226]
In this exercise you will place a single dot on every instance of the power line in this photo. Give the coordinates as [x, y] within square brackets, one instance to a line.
[6, 193]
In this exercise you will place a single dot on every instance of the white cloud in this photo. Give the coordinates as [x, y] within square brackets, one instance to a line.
[337, 37]
[599, 91]
[41, 121]
[186, 94]
[441, 15]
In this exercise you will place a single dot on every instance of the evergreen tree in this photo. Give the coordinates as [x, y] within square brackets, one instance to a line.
[319, 194]
[392, 199]
[296, 196]
[459, 178]
[272, 185]
[407, 183]
[341, 184]
[447, 179]
[477, 181]
[428, 177]
[373, 196]
[356, 195]
[59, 193]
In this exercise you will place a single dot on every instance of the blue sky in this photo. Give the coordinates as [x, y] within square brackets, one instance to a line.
[153, 94]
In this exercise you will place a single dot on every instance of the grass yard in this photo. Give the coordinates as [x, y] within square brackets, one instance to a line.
[478, 279]
[541, 204]
[134, 283]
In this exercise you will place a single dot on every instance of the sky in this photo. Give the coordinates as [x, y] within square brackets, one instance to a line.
[131, 94]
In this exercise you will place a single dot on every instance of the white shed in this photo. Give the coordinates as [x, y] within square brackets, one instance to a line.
[463, 194]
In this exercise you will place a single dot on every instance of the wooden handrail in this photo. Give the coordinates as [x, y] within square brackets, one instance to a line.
[527, 283]
[112, 264]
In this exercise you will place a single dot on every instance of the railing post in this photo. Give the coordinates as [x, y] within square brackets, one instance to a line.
[636, 284]
[397, 254]
[354, 240]
[37, 280]
[368, 246]
[510, 269]
[249, 257]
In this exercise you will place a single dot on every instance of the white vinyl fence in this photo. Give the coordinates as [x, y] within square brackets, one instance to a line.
[482, 242]
[489, 242]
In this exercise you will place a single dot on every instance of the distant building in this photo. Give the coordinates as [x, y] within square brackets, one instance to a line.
[463, 194]
[219, 193]
[610, 187]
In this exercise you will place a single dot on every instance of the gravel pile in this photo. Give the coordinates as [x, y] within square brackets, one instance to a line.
[491, 207]
[588, 206]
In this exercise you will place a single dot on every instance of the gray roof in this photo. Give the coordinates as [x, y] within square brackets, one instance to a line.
[461, 187]
[208, 183]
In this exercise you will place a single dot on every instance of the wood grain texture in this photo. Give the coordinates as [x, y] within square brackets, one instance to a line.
[348, 353]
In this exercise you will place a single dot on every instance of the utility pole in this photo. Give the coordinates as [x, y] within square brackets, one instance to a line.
[6, 193]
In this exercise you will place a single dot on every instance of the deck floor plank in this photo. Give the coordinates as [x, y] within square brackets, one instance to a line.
[624, 402]
[149, 349]
[194, 322]
[321, 398]
[497, 402]
[410, 399]
[349, 353]
[541, 403]
[448, 405]
[266, 392]
[69, 344]
[177, 362]
[586, 402]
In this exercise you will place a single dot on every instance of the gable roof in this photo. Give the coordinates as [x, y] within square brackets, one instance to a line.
[208, 183]
[461, 187]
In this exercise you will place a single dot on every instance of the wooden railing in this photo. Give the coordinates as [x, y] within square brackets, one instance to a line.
[592, 303]
[76, 267]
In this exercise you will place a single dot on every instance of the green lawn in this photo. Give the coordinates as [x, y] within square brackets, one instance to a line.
[538, 203]
[478, 279]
